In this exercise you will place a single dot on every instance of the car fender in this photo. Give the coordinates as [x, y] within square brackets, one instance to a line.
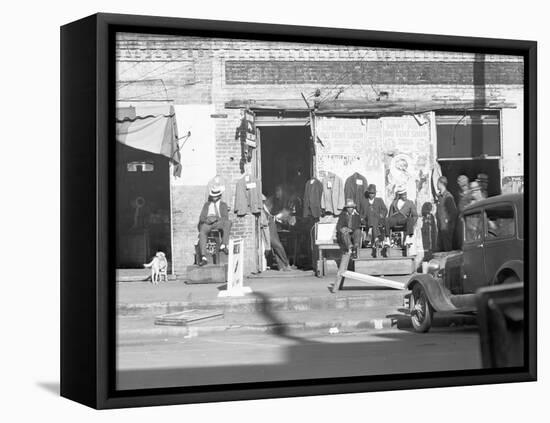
[511, 266]
[438, 296]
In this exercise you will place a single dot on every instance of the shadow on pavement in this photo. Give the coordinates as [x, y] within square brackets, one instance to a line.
[293, 357]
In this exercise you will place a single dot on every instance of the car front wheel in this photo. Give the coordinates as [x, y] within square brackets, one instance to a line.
[420, 309]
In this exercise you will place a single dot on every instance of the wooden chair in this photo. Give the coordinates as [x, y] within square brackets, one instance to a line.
[325, 239]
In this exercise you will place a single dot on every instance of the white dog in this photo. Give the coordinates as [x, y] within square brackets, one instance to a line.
[159, 266]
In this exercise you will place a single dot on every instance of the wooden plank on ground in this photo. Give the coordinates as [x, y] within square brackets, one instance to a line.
[184, 318]
[372, 280]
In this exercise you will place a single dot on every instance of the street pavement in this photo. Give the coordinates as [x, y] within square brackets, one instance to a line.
[225, 357]
[289, 328]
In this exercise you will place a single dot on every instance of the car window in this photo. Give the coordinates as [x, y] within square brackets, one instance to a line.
[500, 222]
[473, 227]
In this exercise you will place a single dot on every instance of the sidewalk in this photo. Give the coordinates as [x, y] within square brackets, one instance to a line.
[302, 292]
[291, 305]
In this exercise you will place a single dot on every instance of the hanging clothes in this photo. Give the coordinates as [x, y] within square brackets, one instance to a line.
[313, 194]
[355, 188]
[248, 196]
[333, 198]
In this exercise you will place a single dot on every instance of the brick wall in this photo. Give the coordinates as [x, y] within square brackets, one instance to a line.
[372, 72]
[191, 70]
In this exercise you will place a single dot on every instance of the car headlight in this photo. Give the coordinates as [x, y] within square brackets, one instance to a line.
[433, 266]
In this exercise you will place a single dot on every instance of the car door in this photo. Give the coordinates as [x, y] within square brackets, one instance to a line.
[473, 251]
[501, 243]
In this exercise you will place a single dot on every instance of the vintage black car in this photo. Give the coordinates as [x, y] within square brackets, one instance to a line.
[492, 253]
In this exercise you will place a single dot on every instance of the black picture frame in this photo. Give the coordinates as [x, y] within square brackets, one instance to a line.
[87, 298]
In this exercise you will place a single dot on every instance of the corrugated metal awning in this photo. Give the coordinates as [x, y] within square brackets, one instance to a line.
[150, 128]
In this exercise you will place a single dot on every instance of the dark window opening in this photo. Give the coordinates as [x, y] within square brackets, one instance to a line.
[143, 207]
[500, 222]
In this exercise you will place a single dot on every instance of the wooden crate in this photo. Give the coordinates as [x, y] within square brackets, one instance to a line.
[211, 273]
[385, 266]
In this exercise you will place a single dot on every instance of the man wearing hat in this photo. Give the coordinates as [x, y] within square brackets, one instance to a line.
[464, 195]
[348, 228]
[475, 192]
[483, 181]
[374, 213]
[402, 213]
[446, 215]
[214, 215]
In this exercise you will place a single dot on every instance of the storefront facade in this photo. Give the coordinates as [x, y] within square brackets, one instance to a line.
[391, 115]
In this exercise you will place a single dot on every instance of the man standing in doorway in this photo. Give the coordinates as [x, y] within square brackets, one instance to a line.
[446, 215]
[279, 253]
[214, 215]
[464, 194]
[483, 181]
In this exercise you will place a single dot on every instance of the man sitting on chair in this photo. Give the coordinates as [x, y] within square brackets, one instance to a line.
[214, 215]
[402, 213]
[348, 228]
[374, 214]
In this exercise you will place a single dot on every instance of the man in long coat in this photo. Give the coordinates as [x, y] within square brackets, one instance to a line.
[446, 215]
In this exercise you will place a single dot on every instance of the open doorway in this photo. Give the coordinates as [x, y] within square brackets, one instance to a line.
[143, 207]
[286, 158]
[286, 164]
[469, 143]
[452, 169]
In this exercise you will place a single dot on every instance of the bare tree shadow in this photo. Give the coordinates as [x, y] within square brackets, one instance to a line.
[51, 387]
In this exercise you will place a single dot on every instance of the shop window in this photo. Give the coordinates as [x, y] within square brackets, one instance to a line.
[471, 134]
[140, 167]
[500, 222]
[473, 227]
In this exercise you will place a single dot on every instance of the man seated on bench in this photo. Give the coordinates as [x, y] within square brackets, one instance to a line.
[348, 228]
[214, 215]
[402, 215]
[374, 214]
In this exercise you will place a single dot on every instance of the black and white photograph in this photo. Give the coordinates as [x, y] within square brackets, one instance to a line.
[300, 210]
[275, 212]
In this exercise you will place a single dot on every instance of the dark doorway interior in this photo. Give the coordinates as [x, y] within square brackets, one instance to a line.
[286, 161]
[471, 168]
[286, 158]
[143, 207]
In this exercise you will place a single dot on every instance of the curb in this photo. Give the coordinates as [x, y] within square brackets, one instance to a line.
[287, 329]
[258, 304]
[281, 329]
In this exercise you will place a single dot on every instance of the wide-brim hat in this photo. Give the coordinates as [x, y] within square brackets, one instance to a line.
[401, 190]
[215, 191]
[371, 189]
[475, 186]
[350, 203]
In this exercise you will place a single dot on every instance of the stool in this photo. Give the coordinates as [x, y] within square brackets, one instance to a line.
[213, 242]
[397, 239]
